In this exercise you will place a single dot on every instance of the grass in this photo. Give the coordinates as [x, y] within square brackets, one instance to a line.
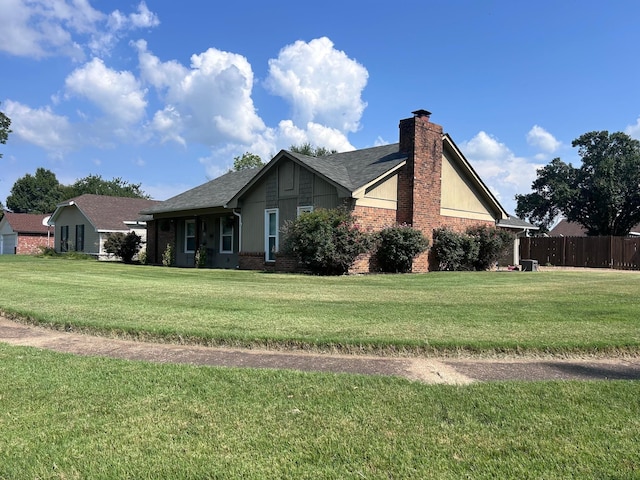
[554, 312]
[66, 417]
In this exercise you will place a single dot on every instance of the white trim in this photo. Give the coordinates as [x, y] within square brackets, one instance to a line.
[224, 220]
[268, 235]
[186, 230]
[304, 209]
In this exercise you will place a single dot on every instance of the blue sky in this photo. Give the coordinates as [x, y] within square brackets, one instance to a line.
[166, 94]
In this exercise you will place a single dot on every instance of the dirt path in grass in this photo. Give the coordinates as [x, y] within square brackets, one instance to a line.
[428, 370]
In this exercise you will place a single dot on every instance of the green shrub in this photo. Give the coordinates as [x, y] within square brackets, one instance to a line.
[477, 249]
[124, 246]
[142, 257]
[47, 251]
[326, 242]
[454, 251]
[492, 243]
[398, 246]
[167, 256]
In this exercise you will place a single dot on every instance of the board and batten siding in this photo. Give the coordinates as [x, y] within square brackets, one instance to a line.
[286, 188]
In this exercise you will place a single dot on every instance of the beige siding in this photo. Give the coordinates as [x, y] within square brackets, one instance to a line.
[383, 194]
[459, 198]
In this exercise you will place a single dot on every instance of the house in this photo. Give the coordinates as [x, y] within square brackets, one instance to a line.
[24, 233]
[236, 219]
[83, 223]
[564, 228]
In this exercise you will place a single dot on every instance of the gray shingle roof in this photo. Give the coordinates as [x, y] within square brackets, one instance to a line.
[215, 193]
[357, 168]
[516, 223]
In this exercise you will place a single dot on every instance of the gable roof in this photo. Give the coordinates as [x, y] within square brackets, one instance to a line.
[27, 222]
[215, 193]
[105, 213]
[348, 171]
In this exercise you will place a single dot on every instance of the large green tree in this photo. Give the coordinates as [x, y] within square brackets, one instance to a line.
[39, 193]
[95, 184]
[247, 160]
[311, 150]
[602, 195]
[5, 123]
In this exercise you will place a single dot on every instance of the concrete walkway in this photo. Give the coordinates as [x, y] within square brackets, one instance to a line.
[456, 371]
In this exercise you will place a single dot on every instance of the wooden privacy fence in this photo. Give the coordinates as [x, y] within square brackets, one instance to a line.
[622, 253]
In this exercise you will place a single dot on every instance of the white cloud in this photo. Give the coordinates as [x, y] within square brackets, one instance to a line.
[633, 130]
[323, 85]
[500, 168]
[209, 103]
[539, 137]
[41, 127]
[117, 94]
[41, 28]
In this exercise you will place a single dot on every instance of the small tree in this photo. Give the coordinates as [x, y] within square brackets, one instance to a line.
[5, 123]
[124, 246]
[327, 242]
[398, 246]
[167, 256]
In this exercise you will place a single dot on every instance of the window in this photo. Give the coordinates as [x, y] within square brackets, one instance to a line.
[79, 238]
[226, 235]
[64, 238]
[271, 234]
[305, 209]
[189, 236]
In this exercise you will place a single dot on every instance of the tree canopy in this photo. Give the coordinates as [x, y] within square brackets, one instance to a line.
[247, 160]
[602, 195]
[95, 184]
[311, 150]
[5, 123]
[40, 193]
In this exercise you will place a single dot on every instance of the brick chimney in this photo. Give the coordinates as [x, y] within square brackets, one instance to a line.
[419, 184]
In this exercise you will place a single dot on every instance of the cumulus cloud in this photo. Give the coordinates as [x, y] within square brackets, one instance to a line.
[117, 94]
[633, 130]
[210, 102]
[42, 28]
[500, 168]
[539, 137]
[323, 85]
[41, 127]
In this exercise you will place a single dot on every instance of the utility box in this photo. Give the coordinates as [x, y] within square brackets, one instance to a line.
[529, 265]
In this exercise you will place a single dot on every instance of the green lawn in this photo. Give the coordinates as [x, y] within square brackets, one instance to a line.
[591, 311]
[66, 417]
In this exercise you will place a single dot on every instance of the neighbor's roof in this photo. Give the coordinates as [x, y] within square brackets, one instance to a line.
[516, 223]
[215, 193]
[107, 214]
[564, 228]
[27, 222]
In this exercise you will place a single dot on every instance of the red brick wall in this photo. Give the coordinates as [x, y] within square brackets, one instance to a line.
[256, 261]
[30, 244]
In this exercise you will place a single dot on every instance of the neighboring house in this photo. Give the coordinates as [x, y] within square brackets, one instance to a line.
[236, 219]
[564, 228]
[24, 233]
[83, 223]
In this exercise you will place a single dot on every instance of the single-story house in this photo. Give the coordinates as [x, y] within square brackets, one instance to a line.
[24, 233]
[83, 223]
[565, 228]
[236, 219]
